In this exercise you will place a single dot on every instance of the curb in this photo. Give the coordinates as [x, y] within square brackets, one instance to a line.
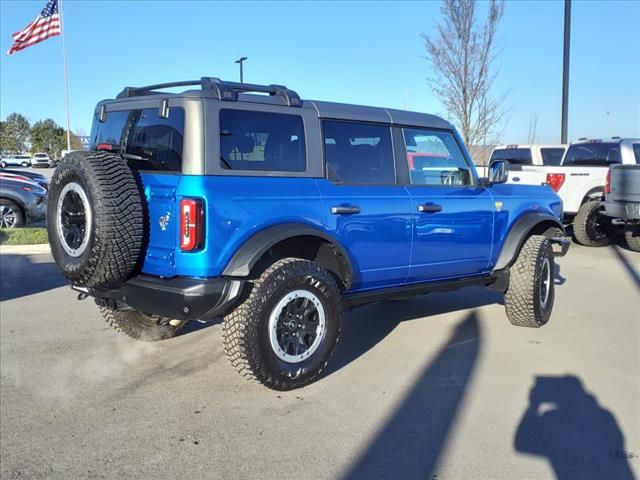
[38, 249]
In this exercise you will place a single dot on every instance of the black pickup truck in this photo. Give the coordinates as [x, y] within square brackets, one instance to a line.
[622, 201]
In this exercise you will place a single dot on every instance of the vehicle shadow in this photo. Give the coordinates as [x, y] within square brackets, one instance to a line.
[22, 275]
[365, 327]
[580, 438]
[631, 270]
[409, 445]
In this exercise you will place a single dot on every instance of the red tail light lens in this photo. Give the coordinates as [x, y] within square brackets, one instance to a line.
[607, 185]
[555, 180]
[191, 224]
[103, 146]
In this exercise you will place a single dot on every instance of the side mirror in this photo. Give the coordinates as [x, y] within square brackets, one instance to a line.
[498, 172]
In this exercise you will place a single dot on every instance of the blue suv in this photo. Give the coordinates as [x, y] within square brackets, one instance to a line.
[245, 202]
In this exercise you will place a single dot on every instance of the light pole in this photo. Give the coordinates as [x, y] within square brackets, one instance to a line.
[240, 61]
[565, 71]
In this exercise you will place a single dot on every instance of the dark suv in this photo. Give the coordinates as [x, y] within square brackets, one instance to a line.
[244, 201]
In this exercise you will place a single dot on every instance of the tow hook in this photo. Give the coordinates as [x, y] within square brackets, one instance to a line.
[82, 292]
[560, 245]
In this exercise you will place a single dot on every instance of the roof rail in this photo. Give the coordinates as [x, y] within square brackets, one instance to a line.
[227, 91]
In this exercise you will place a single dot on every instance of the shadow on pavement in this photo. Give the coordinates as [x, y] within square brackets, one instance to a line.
[365, 327]
[633, 273]
[22, 275]
[565, 424]
[409, 445]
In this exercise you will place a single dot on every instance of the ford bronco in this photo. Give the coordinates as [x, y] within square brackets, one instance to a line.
[245, 202]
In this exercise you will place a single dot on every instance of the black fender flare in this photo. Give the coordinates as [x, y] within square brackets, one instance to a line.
[519, 233]
[252, 250]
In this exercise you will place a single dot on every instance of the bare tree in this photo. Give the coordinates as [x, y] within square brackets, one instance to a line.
[462, 52]
[533, 129]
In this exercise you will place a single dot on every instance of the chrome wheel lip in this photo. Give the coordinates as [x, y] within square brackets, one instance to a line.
[8, 217]
[273, 326]
[76, 188]
[545, 282]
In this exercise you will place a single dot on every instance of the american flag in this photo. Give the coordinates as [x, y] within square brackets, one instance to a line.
[46, 25]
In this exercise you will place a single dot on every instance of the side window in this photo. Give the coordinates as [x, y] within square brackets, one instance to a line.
[358, 153]
[636, 152]
[155, 143]
[552, 156]
[262, 141]
[435, 158]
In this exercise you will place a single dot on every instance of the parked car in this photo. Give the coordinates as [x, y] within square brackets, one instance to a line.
[283, 212]
[21, 202]
[580, 181]
[41, 160]
[622, 203]
[27, 175]
[522, 157]
[15, 161]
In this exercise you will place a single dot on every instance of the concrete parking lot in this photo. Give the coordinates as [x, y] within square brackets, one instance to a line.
[438, 387]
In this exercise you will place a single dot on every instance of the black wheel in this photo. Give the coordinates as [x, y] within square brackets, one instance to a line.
[632, 238]
[286, 330]
[3, 164]
[590, 227]
[24, 164]
[141, 326]
[529, 298]
[11, 215]
[95, 219]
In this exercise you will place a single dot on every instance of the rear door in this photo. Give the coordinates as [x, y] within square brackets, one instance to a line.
[363, 207]
[152, 146]
[452, 214]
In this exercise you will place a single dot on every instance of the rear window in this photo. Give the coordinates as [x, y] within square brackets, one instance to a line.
[262, 141]
[516, 156]
[552, 156]
[149, 141]
[636, 152]
[593, 154]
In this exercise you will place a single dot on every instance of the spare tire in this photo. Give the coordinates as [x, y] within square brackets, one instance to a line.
[95, 219]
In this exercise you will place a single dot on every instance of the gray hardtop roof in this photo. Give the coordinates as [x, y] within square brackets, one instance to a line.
[212, 89]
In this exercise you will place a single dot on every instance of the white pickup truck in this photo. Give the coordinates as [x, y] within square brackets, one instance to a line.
[580, 180]
[522, 159]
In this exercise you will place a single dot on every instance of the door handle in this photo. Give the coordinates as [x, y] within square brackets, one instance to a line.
[429, 208]
[338, 210]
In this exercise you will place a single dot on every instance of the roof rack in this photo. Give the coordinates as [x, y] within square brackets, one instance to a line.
[227, 91]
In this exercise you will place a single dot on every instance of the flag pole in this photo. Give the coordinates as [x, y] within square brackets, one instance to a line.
[66, 82]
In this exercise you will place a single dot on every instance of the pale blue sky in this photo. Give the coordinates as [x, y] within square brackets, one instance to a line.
[357, 52]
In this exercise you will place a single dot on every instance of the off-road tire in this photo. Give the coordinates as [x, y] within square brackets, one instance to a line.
[137, 325]
[245, 329]
[17, 211]
[117, 225]
[590, 227]
[523, 299]
[632, 238]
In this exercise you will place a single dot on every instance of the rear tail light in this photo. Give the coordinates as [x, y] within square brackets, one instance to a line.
[607, 185]
[555, 180]
[191, 224]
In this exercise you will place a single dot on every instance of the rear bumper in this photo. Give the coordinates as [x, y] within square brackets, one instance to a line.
[621, 210]
[181, 298]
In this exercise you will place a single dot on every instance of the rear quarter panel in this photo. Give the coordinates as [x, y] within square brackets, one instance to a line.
[237, 208]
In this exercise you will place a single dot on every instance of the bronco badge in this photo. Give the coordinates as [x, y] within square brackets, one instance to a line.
[164, 221]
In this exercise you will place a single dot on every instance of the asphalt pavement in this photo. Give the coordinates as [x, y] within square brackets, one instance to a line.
[440, 387]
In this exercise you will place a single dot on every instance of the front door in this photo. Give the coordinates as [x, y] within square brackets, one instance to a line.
[362, 205]
[452, 214]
